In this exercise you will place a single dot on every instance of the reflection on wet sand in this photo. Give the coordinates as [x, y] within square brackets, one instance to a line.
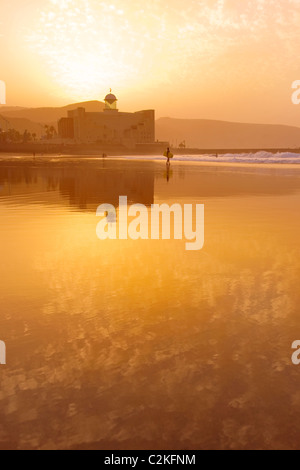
[82, 186]
[140, 344]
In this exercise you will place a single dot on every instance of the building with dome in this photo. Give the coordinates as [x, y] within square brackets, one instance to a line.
[109, 127]
[110, 102]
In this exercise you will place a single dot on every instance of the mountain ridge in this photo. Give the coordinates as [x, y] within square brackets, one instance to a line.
[209, 133]
[50, 115]
[197, 133]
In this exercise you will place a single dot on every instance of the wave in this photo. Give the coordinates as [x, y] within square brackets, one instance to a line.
[254, 158]
[258, 157]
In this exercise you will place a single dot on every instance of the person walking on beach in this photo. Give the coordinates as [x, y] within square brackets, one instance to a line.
[168, 154]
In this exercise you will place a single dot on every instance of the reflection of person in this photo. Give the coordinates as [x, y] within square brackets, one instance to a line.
[111, 217]
[169, 173]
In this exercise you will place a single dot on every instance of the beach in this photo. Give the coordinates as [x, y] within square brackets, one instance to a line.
[140, 344]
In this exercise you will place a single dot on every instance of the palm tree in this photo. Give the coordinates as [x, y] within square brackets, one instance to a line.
[26, 136]
[48, 133]
[53, 131]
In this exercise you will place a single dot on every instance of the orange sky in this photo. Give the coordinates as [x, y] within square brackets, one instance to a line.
[215, 59]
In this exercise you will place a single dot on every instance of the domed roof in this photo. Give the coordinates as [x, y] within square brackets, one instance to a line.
[110, 98]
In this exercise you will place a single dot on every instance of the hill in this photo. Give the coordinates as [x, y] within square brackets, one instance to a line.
[21, 125]
[6, 108]
[48, 115]
[208, 134]
[198, 133]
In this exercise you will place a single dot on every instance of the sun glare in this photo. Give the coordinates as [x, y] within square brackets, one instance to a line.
[88, 45]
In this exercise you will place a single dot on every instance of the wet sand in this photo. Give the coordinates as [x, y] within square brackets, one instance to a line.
[141, 344]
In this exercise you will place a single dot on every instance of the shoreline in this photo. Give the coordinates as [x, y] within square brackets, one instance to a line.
[49, 148]
[188, 160]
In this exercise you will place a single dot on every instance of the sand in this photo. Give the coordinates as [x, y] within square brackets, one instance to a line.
[124, 344]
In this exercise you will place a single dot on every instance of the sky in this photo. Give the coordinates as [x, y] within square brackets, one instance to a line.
[210, 59]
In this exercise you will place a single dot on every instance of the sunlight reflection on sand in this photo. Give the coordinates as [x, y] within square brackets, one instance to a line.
[140, 344]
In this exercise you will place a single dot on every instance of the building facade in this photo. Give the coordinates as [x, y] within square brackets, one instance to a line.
[109, 127]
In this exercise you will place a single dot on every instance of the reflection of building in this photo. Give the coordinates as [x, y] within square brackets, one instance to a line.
[87, 184]
[109, 127]
[83, 186]
[87, 187]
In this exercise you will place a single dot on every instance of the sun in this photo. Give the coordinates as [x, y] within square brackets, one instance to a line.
[88, 45]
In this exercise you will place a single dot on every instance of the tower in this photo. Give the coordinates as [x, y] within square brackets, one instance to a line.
[110, 102]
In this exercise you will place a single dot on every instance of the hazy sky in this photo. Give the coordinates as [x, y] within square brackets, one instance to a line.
[215, 59]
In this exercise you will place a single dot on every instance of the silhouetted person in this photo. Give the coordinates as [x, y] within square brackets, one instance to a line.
[168, 156]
